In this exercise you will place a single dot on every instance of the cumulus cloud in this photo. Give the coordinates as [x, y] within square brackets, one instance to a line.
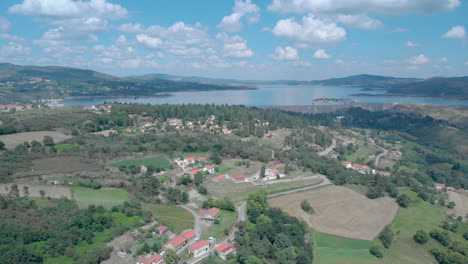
[399, 30]
[456, 32]
[411, 44]
[417, 60]
[14, 49]
[69, 8]
[149, 42]
[359, 21]
[233, 23]
[321, 54]
[309, 30]
[5, 25]
[286, 53]
[363, 6]
[444, 59]
[235, 46]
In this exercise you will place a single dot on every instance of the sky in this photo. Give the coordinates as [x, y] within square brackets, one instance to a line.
[242, 39]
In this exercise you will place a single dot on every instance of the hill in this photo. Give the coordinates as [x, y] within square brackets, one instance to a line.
[22, 83]
[365, 81]
[456, 87]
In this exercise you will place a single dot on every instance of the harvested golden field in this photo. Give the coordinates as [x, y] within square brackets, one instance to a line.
[461, 203]
[12, 140]
[340, 211]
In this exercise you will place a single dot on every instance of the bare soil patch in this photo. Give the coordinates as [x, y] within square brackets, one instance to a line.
[461, 203]
[340, 211]
[65, 165]
[11, 141]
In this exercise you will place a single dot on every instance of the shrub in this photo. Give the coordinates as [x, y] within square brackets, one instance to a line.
[376, 251]
[421, 237]
[403, 200]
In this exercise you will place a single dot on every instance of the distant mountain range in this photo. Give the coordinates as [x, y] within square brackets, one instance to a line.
[24, 83]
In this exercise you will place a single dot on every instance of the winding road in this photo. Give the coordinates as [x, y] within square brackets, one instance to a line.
[329, 149]
[377, 159]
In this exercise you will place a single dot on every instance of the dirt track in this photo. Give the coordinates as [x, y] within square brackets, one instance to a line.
[340, 211]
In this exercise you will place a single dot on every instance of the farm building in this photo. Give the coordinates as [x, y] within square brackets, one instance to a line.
[347, 164]
[189, 235]
[155, 259]
[199, 248]
[209, 215]
[439, 186]
[162, 229]
[143, 169]
[190, 160]
[220, 177]
[273, 174]
[202, 159]
[239, 178]
[223, 250]
[210, 169]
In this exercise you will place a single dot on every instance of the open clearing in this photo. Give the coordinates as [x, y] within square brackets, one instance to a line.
[64, 165]
[340, 211]
[13, 140]
[158, 162]
[34, 190]
[174, 217]
[226, 221]
[106, 197]
[461, 203]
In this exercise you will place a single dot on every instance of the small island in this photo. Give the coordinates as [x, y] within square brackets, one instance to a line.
[331, 100]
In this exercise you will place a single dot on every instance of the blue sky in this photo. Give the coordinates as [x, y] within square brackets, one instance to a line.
[244, 39]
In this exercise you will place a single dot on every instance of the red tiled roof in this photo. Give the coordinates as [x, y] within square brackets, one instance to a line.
[214, 211]
[188, 234]
[345, 162]
[177, 241]
[440, 185]
[152, 259]
[359, 166]
[162, 228]
[193, 172]
[239, 177]
[190, 159]
[198, 245]
[220, 177]
[277, 163]
[210, 167]
[223, 247]
[274, 171]
[202, 158]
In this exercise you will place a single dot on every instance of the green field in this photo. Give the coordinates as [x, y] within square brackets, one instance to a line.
[158, 162]
[174, 217]
[226, 221]
[64, 146]
[106, 197]
[220, 169]
[331, 249]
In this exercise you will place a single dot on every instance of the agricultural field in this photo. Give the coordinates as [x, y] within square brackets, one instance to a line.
[174, 217]
[332, 249]
[34, 190]
[340, 211]
[461, 203]
[13, 140]
[64, 165]
[158, 162]
[107, 197]
[226, 221]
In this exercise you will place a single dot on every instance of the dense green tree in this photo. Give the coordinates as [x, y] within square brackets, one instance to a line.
[403, 200]
[421, 237]
[386, 237]
[376, 251]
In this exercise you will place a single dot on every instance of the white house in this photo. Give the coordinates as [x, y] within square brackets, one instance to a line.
[223, 250]
[199, 248]
[209, 215]
[210, 169]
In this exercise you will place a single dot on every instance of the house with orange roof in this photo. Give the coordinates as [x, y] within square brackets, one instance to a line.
[176, 243]
[155, 259]
[189, 236]
[189, 160]
[210, 169]
[273, 174]
[209, 215]
[239, 178]
[347, 164]
[220, 177]
[199, 248]
[223, 250]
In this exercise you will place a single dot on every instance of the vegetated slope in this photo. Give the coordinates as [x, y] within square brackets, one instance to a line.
[365, 80]
[456, 87]
[19, 83]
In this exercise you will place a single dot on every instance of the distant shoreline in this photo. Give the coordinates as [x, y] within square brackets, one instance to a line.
[406, 95]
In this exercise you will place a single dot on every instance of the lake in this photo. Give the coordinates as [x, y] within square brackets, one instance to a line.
[265, 95]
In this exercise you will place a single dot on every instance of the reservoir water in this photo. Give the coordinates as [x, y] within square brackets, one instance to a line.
[265, 95]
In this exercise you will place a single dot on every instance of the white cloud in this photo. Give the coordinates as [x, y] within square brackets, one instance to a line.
[444, 59]
[363, 6]
[235, 46]
[399, 30]
[420, 59]
[359, 21]
[5, 25]
[69, 9]
[286, 53]
[466, 62]
[13, 49]
[131, 28]
[411, 44]
[310, 30]
[186, 52]
[149, 42]
[321, 54]
[233, 23]
[457, 32]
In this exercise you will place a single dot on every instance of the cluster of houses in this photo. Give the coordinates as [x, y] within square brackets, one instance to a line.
[364, 169]
[188, 240]
[13, 107]
[104, 107]
[441, 186]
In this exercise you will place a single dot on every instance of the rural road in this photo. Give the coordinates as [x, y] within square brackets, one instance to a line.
[325, 182]
[329, 149]
[377, 159]
[197, 226]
